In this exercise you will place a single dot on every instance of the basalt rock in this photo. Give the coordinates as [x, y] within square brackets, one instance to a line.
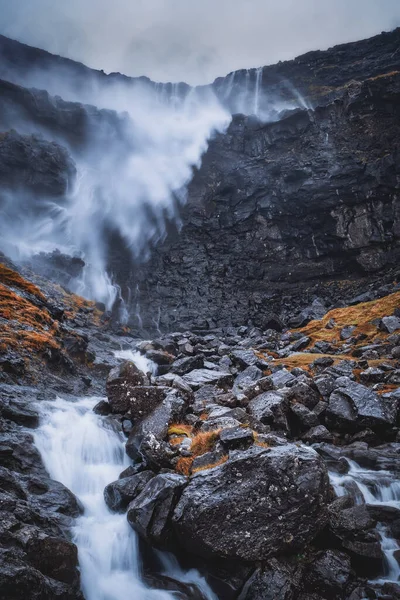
[270, 501]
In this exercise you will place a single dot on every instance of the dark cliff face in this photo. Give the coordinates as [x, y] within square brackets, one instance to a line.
[278, 211]
[280, 206]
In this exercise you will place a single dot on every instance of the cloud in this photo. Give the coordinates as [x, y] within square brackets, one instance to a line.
[172, 40]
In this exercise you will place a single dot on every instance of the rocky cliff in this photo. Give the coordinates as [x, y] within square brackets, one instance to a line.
[278, 214]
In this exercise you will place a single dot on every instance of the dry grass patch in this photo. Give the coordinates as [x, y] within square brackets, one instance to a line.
[13, 279]
[360, 316]
[202, 443]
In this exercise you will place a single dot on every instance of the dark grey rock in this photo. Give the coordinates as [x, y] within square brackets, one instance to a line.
[199, 377]
[149, 513]
[119, 494]
[284, 510]
[270, 408]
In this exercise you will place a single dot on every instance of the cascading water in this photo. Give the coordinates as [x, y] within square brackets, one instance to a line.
[258, 78]
[379, 488]
[85, 452]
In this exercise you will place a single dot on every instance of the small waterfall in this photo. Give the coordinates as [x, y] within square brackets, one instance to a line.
[379, 488]
[258, 79]
[229, 82]
[85, 452]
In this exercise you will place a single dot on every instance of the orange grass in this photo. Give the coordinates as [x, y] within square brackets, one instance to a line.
[360, 315]
[13, 279]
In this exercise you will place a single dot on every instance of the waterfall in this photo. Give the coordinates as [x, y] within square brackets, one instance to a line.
[85, 452]
[258, 79]
[379, 488]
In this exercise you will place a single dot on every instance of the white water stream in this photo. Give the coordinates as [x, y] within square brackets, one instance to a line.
[381, 489]
[85, 453]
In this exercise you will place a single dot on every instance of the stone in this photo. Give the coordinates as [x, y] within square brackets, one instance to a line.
[389, 324]
[243, 358]
[149, 513]
[270, 408]
[199, 377]
[329, 573]
[282, 378]
[271, 500]
[119, 382]
[236, 437]
[246, 379]
[160, 358]
[102, 408]
[347, 332]
[357, 406]
[170, 409]
[120, 493]
[187, 364]
[274, 581]
[317, 434]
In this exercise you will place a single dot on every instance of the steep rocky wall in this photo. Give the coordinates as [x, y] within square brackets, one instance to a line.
[278, 213]
[278, 206]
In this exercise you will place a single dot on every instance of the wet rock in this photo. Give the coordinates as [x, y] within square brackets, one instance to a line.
[187, 364]
[317, 434]
[119, 494]
[20, 413]
[389, 324]
[284, 510]
[275, 581]
[246, 379]
[282, 378]
[200, 377]
[160, 358]
[102, 408]
[54, 557]
[149, 512]
[270, 408]
[357, 406]
[119, 383]
[236, 437]
[156, 423]
[329, 573]
[144, 399]
[243, 358]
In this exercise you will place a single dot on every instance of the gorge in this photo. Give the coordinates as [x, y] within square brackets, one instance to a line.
[200, 330]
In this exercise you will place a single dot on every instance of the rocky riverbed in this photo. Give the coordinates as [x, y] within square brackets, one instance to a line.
[268, 460]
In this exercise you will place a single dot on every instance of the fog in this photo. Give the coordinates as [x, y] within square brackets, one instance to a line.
[182, 40]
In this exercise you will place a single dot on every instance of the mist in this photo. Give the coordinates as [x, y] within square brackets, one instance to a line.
[180, 40]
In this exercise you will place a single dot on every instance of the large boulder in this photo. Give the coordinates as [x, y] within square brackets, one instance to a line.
[260, 503]
[119, 383]
[149, 513]
[157, 422]
[352, 406]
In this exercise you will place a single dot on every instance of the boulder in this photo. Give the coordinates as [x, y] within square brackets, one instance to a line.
[119, 383]
[120, 493]
[274, 581]
[246, 379]
[269, 500]
[187, 364]
[170, 409]
[355, 406]
[389, 324]
[199, 377]
[329, 573]
[149, 513]
[236, 437]
[270, 408]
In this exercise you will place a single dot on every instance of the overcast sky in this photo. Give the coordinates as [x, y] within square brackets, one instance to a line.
[194, 41]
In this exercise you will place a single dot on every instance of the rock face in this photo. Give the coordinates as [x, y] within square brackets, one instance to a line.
[250, 495]
[279, 204]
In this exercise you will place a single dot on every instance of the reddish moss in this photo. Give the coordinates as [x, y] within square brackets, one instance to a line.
[15, 280]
